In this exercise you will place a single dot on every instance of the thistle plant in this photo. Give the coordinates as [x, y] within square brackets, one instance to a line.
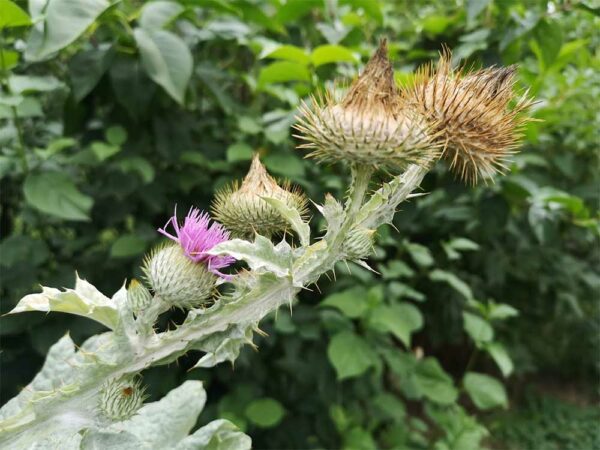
[92, 396]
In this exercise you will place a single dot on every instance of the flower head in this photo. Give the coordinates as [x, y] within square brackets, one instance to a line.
[243, 210]
[369, 125]
[197, 236]
[471, 115]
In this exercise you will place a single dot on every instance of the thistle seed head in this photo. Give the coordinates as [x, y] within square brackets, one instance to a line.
[242, 210]
[470, 113]
[121, 398]
[371, 124]
[178, 280]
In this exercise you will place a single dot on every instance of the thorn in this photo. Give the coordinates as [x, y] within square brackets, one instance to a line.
[347, 266]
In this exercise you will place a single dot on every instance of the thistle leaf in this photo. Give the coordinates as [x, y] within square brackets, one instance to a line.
[85, 300]
[293, 217]
[261, 255]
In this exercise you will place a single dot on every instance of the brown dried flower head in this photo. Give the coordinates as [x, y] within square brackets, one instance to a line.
[470, 113]
[242, 210]
[370, 125]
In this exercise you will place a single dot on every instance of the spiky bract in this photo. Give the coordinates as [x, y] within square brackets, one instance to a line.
[471, 115]
[120, 399]
[242, 210]
[178, 280]
[370, 125]
[138, 296]
[359, 243]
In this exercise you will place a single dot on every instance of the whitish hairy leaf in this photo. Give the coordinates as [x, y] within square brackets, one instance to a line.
[85, 300]
[261, 255]
[162, 424]
[217, 435]
[293, 217]
[224, 345]
[54, 374]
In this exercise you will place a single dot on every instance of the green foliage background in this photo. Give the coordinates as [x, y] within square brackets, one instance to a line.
[112, 114]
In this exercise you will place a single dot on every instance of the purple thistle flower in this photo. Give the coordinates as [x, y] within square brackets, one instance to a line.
[197, 236]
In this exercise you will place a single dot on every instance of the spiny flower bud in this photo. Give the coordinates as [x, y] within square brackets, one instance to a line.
[370, 125]
[471, 115]
[242, 210]
[178, 280]
[359, 243]
[120, 399]
[138, 296]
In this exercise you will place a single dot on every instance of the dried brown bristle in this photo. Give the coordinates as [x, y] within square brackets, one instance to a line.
[471, 114]
[370, 125]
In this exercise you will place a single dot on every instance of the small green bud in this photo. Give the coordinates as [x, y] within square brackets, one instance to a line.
[176, 279]
[359, 244]
[242, 210]
[138, 296]
[120, 399]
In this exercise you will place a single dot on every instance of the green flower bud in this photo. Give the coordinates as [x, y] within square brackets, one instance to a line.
[242, 210]
[138, 296]
[359, 244]
[120, 399]
[178, 280]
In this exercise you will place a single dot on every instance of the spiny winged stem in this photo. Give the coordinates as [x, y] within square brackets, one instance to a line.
[361, 176]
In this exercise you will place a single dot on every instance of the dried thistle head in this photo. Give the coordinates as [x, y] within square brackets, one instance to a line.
[370, 125]
[242, 210]
[472, 116]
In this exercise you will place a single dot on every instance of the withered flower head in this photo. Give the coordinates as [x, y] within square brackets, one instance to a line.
[470, 113]
[370, 125]
[242, 210]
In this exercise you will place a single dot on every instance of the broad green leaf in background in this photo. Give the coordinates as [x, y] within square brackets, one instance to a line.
[20, 84]
[64, 21]
[350, 355]
[87, 67]
[351, 302]
[548, 35]
[448, 277]
[166, 59]
[158, 14]
[478, 328]
[55, 193]
[400, 319]
[474, 8]
[127, 245]
[282, 71]
[501, 357]
[239, 151]
[419, 253]
[485, 391]
[265, 412]
[116, 135]
[434, 383]
[326, 54]
[11, 15]
[8, 58]
[287, 53]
